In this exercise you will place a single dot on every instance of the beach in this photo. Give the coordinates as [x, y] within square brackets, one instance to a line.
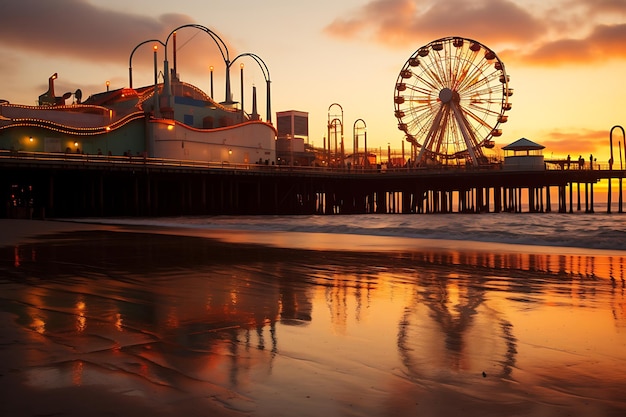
[121, 318]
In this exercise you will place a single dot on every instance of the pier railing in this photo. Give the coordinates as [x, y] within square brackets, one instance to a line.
[140, 160]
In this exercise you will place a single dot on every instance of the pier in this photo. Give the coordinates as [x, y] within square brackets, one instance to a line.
[62, 185]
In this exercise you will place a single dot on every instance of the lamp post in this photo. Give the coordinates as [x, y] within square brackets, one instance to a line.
[611, 167]
[332, 130]
[366, 162]
[241, 75]
[130, 60]
[211, 70]
[355, 144]
[156, 80]
[266, 75]
[611, 144]
[221, 46]
[335, 119]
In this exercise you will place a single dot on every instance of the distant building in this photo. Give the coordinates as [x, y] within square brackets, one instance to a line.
[293, 123]
[292, 140]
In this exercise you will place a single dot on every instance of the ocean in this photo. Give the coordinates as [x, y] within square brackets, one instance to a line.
[575, 230]
[368, 315]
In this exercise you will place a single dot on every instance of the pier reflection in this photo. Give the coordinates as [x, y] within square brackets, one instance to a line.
[180, 311]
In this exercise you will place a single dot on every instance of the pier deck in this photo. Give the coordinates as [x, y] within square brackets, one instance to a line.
[71, 185]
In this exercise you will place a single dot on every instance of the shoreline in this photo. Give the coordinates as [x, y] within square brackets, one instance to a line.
[17, 231]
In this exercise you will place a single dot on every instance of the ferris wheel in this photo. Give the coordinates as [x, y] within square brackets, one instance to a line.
[450, 98]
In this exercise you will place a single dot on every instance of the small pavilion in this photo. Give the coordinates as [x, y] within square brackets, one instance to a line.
[523, 155]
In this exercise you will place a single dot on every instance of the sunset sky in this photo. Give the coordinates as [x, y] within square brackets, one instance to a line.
[566, 58]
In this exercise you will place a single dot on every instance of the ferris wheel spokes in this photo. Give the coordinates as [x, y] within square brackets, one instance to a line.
[470, 140]
[450, 98]
[430, 137]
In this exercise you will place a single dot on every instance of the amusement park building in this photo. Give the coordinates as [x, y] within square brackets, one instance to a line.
[182, 123]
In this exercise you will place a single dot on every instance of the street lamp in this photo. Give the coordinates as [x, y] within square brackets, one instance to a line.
[130, 60]
[156, 80]
[332, 129]
[241, 74]
[611, 168]
[355, 143]
[334, 122]
[611, 143]
[266, 75]
[211, 70]
[220, 45]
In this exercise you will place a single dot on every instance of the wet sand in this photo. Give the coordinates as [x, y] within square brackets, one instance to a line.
[50, 391]
[106, 320]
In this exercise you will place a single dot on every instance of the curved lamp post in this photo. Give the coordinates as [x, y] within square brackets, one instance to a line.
[333, 122]
[130, 60]
[221, 46]
[608, 206]
[266, 75]
[611, 144]
[332, 126]
[355, 143]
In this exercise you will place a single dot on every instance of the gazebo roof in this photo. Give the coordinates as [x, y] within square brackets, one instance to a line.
[523, 144]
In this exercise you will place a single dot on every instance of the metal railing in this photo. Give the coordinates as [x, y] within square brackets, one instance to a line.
[140, 160]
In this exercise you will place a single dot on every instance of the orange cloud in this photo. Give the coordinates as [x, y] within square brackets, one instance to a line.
[603, 44]
[577, 143]
[603, 6]
[390, 20]
[568, 32]
[400, 23]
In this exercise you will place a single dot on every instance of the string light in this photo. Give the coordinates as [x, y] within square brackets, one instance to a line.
[73, 130]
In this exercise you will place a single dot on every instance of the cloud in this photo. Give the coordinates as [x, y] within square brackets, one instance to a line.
[603, 6]
[386, 21]
[566, 32]
[574, 143]
[606, 42]
[92, 36]
[401, 23]
[79, 29]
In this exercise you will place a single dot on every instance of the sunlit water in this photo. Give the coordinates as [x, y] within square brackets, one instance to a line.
[434, 315]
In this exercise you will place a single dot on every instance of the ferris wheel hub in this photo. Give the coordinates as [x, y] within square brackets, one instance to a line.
[446, 95]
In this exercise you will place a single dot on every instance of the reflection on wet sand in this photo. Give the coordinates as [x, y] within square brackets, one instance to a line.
[164, 319]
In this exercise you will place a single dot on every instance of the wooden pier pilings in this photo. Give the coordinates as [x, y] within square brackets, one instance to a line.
[85, 188]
